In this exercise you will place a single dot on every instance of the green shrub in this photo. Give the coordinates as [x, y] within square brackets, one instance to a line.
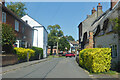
[96, 60]
[22, 53]
[8, 38]
[38, 51]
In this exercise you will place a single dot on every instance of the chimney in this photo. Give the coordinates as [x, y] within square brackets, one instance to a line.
[3, 2]
[113, 3]
[93, 11]
[99, 7]
[99, 10]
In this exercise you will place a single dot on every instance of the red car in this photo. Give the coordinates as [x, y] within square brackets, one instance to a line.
[70, 55]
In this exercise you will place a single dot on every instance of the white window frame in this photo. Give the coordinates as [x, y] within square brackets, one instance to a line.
[16, 25]
[3, 17]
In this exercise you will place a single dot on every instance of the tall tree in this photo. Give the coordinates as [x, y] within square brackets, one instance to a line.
[17, 7]
[55, 33]
[63, 43]
[70, 38]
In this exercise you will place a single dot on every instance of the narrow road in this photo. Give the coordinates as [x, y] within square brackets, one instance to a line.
[54, 68]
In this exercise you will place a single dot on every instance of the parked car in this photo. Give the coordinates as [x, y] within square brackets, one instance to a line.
[70, 55]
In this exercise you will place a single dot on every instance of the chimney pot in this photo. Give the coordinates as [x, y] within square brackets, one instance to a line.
[93, 11]
[99, 7]
[99, 4]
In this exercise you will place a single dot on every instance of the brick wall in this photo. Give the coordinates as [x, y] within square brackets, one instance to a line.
[28, 31]
[54, 50]
[8, 59]
[91, 40]
[113, 3]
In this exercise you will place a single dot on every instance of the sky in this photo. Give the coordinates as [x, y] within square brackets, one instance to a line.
[66, 14]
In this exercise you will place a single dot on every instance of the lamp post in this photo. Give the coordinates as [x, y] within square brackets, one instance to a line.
[66, 49]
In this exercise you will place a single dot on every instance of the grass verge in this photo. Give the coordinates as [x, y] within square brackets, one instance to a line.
[55, 56]
[109, 72]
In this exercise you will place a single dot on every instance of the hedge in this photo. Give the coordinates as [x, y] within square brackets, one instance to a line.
[96, 60]
[38, 51]
[22, 53]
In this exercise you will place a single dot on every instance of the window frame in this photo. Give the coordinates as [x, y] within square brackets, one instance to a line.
[3, 17]
[114, 50]
[16, 25]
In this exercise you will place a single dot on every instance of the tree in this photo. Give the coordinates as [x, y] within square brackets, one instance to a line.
[70, 38]
[55, 32]
[18, 8]
[63, 43]
[8, 38]
[116, 28]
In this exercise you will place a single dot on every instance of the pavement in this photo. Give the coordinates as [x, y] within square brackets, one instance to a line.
[20, 65]
[53, 68]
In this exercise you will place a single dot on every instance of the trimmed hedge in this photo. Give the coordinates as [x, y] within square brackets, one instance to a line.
[95, 60]
[22, 53]
[38, 51]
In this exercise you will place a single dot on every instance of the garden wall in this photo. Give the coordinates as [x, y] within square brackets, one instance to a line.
[8, 59]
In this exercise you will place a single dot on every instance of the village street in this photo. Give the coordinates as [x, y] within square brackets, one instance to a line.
[54, 68]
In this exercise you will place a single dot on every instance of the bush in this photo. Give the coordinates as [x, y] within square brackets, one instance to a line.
[8, 38]
[38, 51]
[96, 60]
[22, 53]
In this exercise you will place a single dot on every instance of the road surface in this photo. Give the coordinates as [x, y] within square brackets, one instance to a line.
[54, 68]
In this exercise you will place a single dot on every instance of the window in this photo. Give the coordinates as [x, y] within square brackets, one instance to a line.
[114, 50]
[110, 28]
[16, 25]
[101, 33]
[3, 17]
[23, 29]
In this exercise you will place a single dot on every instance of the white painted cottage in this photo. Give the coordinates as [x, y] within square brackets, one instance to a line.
[40, 36]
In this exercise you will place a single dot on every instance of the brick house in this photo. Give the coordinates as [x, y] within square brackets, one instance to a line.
[85, 28]
[22, 30]
[54, 51]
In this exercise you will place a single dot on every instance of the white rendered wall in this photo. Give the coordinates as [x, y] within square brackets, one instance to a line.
[40, 37]
[45, 41]
[35, 39]
[40, 34]
[30, 21]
